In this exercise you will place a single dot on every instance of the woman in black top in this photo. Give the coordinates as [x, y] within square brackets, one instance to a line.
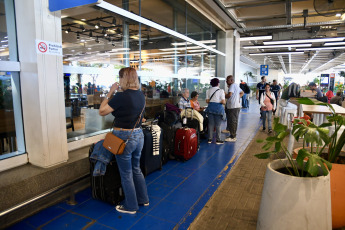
[126, 106]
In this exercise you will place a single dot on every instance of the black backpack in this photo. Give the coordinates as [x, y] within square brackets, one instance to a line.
[246, 89]
[293, 90]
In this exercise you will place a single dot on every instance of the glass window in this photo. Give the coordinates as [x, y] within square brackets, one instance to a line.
[96, 48]
[11, 127]
[8, 46]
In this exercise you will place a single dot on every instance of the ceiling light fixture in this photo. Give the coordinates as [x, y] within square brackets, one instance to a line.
[338, 15]
[256, 38]
[322, 48]
[277, 53]
[82, 27]
[277, 46]
[189, 43]
[114, 21]
[97, 26]
[68, 30]
[97, 41]
[319, 40]
[334, 44]
[134, 17]
[83, 19]
[104, 32]
[78, 36]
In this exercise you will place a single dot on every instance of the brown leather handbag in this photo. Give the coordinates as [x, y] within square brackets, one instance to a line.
[115, 144]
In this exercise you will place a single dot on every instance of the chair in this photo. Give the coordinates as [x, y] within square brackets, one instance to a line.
[69, 115]
[90, 101]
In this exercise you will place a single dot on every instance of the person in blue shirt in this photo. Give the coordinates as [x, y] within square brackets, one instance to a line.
[260, 89]
[275, 88]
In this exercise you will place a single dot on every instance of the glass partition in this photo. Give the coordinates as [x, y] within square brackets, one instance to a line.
[96, 48]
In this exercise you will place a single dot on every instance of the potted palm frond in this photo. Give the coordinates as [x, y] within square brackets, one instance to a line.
[332, 152]
[296, 192]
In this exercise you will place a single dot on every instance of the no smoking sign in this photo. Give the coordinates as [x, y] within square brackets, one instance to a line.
[47, 47]
[42, 47]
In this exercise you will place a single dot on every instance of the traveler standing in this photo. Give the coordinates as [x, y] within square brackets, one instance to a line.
[246, 90]
[260, 89]
[127, 106]
[232, 107]
[268, 104]
[275, 88]
[184, 101]
[215, 98]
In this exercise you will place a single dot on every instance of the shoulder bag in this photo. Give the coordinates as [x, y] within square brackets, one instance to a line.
[115, 144]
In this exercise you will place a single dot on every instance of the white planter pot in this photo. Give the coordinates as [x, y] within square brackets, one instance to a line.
[289, 202]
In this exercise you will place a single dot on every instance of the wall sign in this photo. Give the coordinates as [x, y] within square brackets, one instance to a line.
[46, 47]
[263, 70]
[55, 5]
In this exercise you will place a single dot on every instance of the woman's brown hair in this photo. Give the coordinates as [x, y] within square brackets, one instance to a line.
[129, 78]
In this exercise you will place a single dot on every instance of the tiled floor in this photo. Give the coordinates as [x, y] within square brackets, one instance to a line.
[177, 193]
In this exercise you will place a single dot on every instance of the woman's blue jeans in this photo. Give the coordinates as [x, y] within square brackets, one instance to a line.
[267, 114]
[132, 179]
[214, 121]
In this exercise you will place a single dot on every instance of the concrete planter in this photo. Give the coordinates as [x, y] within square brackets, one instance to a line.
[290, 202]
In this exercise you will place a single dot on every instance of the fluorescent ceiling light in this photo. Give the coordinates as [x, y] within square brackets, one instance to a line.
[278, 53]
[305, 41]
[182, 55]
[334, 44]
[118, 49]
[183, 48]
[255, 38]
[195, 51]
[147, 22]
[148, 54]
[188, 43]
[322, 48]
[277, 46]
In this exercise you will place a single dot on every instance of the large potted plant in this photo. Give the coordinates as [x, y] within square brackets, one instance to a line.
[296, 193]
[334, 155]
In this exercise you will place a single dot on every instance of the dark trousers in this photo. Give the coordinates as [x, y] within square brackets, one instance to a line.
[232, 120]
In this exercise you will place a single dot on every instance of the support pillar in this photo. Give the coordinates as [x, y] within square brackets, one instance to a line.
[228, 43]
[42, 84]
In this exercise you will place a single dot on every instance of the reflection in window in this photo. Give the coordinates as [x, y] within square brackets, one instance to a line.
[11, 136]
[97, 45]
[7, 31]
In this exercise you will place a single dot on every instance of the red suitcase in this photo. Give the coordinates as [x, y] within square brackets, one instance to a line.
[186, 143]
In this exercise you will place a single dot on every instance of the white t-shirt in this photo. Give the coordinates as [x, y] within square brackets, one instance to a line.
[217, 97]
[234, 101]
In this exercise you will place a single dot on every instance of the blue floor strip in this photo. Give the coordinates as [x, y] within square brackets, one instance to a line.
[177, 193]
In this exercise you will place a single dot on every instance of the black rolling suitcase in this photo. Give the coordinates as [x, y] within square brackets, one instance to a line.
[169, 132]
[108, 187]
[148, 161]
[189, 122]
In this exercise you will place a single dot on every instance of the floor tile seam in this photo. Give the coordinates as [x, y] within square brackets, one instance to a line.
[102, 225]
[163, 174]
[228, 167]
[51, 220]
[90, 224]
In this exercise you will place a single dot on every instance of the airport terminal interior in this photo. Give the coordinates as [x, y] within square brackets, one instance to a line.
[59, 59]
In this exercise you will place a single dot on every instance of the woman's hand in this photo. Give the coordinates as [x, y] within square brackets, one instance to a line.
[114, 87]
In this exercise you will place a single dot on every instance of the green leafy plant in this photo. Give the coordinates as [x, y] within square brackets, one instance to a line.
[249, 74]
[334, 143]
[316, 135]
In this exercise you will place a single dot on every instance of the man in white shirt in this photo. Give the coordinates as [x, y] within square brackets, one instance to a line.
[232, 107]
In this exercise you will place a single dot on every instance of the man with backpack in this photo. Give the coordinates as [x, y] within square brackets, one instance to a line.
[245, 88]
[260, 89]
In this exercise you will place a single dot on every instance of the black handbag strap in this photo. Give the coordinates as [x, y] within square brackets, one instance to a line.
[213, 94]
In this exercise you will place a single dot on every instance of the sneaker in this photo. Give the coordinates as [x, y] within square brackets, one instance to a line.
[270, 131]
[122, 209]
[263, 129]
[225, 131]
[145, 205]
[209, 141]
[219, 142]
[229, 139]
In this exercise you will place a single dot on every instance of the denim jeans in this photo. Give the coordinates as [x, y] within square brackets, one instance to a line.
[267, 114]
[214, 121]
[244, 101]
[132, 179]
